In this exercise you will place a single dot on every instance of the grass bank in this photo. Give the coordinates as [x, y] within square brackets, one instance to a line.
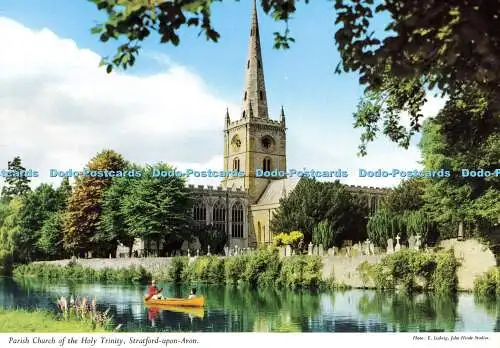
[41, 321]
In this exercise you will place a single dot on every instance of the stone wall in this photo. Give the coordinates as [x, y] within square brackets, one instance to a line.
[149, 263]
[344, 269]
[475, 259]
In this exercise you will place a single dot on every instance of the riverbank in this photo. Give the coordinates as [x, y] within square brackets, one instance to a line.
[41, 321]
[474, 258]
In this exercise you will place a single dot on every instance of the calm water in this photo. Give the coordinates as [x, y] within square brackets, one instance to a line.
[246, 310]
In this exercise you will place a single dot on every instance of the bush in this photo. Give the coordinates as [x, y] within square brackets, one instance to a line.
[300, 272]
[488, 284]
[410, 270]
[177, 270]
[293, 239]
[78, 272]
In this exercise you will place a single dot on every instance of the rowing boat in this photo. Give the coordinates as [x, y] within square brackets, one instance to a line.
[177, 302]
[198, 312]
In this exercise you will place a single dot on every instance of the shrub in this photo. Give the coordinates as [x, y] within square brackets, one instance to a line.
[293, 239]
[415, 270]
[300, 272]
[487, 285]
[177, 269]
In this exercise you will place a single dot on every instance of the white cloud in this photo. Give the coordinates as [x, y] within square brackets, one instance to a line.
[58, 109]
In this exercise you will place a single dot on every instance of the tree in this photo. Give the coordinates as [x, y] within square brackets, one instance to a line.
[113, 228]
[312, 202]
[84, 205]
[37, 207]
[210, 236]
[426, 43]
[9, 229]
[158, 207]
[408, 195]
[51, 236]
[472, 143]
[64, 192]
[17, 180]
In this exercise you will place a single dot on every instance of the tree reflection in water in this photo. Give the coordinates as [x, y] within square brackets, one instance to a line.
[420, 312]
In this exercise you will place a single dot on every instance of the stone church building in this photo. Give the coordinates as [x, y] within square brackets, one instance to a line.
[243, 206]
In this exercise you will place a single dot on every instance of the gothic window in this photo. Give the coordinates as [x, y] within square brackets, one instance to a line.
[219, 217]
[200, 214]
[248, 64]
[266, 164]
[245, 95]
[237, 220]
[244, 114]
[236, 164]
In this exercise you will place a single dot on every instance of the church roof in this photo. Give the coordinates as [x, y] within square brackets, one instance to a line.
[276, 190]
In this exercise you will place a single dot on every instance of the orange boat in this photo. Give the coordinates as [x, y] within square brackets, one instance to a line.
[198, 312]
[177, 302]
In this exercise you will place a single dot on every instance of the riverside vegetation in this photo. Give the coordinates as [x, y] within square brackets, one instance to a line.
[75, 315]
[406, 270]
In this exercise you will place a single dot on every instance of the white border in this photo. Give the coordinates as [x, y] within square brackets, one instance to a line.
[220, 340]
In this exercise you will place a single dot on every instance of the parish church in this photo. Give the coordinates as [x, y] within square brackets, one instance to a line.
[243, 206]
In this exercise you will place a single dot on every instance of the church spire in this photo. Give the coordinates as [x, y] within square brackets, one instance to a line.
[255, 88]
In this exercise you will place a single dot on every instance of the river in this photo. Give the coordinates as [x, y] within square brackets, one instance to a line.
[245, 310]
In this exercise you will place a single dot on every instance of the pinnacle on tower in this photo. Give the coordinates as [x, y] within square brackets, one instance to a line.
[228, 120]
[282, 114]
[255, 88]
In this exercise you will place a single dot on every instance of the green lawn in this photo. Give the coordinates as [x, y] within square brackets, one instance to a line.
[39, 321]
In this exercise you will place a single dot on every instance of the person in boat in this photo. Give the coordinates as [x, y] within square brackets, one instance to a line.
[192, 294]
[153, 292]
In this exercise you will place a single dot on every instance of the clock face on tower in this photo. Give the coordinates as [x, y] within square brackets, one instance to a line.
[267, 143]
[236, 142]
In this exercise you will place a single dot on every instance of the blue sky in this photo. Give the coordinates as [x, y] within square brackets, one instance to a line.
[318, 103]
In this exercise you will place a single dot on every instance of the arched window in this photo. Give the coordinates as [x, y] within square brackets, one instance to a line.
[236, 164]
[237, 220]
[219, 217]
[245, 98]
[266, 164]
[200, 214]
[248, 63]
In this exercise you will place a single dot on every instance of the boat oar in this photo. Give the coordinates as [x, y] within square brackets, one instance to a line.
[148, 297]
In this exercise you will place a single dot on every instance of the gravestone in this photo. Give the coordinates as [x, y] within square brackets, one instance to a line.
[310, 249]
[235, 250]
[367, 247]
[411, 242]
[208, 250]
[398, 246]
[321, 250]
[315, 250]
[226, 250]
[288, 250]
[331, 252]
[390, 246]
[197, 252]
[418, 242]
[189, 253]
[371, 248]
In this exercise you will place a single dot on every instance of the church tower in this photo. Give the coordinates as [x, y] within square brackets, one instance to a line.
[254, 143]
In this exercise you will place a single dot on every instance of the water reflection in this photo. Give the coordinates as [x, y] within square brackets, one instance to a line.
[244, 309]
